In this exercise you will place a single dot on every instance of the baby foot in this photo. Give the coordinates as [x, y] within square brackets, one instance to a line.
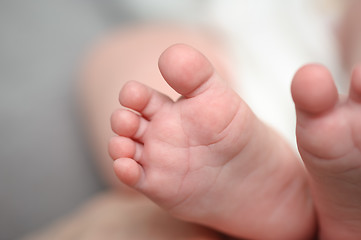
[329, 141]
[206, 158]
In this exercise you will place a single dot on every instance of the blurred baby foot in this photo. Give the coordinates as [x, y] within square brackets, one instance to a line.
[329, 141]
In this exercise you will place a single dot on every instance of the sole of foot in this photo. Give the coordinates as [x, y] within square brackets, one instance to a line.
[206, 158]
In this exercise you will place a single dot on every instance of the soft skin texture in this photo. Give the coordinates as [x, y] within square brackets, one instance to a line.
[329, 141]
[130, 54]
[206, 158]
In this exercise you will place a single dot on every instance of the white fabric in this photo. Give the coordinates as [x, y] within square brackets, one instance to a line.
[270, 39]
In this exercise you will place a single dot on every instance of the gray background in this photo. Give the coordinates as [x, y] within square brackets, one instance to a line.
[45, 168]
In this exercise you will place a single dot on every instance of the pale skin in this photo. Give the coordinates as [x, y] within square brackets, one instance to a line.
[329, 140]
[120, 213]
[211, 138]
[206, 148]
[170, 146]
[333, 224]
[104, 73]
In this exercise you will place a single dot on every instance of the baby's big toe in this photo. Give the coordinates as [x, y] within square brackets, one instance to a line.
[185, 69]
[327, 135]
[315, 96]
[313, 89]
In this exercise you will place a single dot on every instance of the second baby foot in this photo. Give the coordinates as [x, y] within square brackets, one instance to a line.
[329, 141]
[207, 158]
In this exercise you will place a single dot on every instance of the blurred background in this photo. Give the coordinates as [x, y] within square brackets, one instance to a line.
[46, 167]
[46, 170]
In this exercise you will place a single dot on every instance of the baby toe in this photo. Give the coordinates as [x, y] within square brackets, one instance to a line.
[122, 147]
[313, 89]
[128, 171]
[142, 99]
[125, 123]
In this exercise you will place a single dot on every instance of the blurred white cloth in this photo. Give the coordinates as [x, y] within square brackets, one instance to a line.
[270, 41]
